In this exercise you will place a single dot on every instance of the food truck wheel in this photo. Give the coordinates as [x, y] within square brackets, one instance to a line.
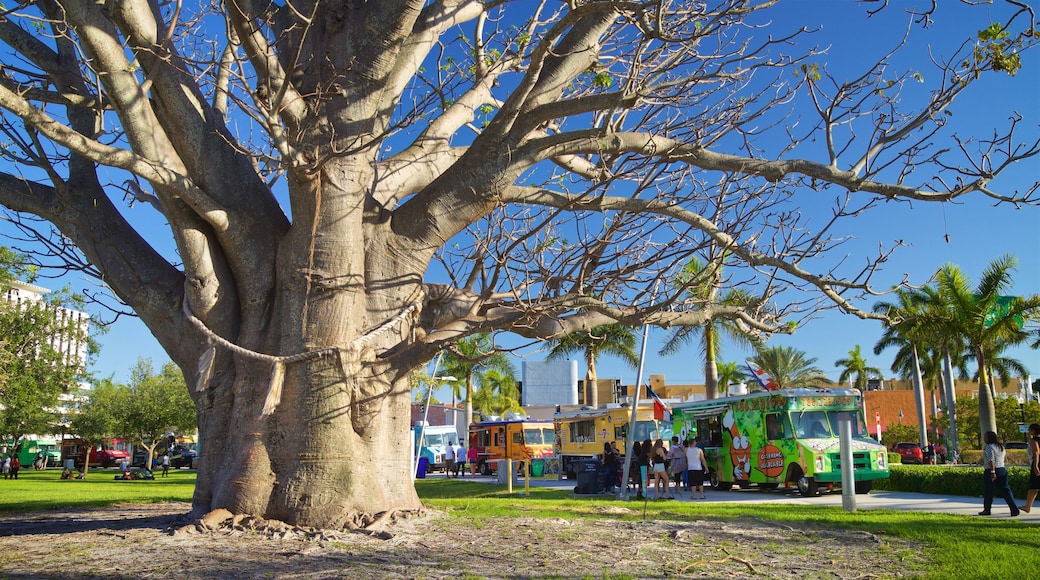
[485, 468]
[864, 487]
[713, 478]
[768, 485]
[808, 487]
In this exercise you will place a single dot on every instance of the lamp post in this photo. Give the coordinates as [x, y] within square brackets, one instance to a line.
[1022, 408]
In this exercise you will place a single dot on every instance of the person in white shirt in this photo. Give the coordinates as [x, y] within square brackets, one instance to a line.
[449, 458]
[695, 464]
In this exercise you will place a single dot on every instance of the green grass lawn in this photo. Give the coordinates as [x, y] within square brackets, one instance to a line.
[43, 490]
[959, 547]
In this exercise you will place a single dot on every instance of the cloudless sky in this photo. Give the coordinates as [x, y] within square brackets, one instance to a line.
[969, 233]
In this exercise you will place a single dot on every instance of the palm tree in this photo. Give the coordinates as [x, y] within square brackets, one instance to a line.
[497, 394]
[912, 331]
[730, 373]
[856, 366]
[466, 359]
[613, 339]
[987, 319]
[702, 287]
[790, 367]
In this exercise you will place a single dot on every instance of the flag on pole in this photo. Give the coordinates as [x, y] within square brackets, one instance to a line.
[661, 411]
[762, 377]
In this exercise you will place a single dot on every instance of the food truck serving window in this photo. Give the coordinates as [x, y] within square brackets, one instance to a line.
[583, 431]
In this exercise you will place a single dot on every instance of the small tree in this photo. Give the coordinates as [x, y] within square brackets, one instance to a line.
[153, 405]
[34, 369]
[730, 373]
[790, 368]
[97, 418]
[614, 339]
[469, 357]
[856, 366]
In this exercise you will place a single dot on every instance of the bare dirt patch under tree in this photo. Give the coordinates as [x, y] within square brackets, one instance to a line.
[159, 541]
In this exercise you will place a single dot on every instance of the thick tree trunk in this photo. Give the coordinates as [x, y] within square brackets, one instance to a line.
[987, 410]
[335, 451]
[951, 401]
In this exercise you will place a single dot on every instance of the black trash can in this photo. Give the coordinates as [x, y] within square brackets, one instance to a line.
[587, 471]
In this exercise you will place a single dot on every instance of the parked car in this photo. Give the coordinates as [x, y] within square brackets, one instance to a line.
[1016, 445]
[909, 452]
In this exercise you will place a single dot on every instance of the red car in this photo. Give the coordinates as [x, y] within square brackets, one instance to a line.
[909, 452]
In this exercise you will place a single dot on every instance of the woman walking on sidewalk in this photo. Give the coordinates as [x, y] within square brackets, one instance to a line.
[994, 476]
[1034, 467]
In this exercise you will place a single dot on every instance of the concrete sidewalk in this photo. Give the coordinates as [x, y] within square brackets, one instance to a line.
[892, 500]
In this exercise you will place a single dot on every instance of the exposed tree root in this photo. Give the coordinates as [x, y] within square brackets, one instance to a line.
[729, 558]
[222, 521]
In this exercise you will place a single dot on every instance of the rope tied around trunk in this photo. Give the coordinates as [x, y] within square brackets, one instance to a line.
[348, 351]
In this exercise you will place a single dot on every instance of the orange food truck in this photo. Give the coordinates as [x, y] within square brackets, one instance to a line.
[516, 437]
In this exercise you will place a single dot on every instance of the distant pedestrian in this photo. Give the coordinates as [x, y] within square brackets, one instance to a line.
[635, 470]
[1034, 466]
[460, 459]
[677, 463]
[449, 459]
[7, 467]
[16, 464]
[165, 463]
[695, 465]
[472, 458]
[660, 459]
[610, 467]
[994, 475]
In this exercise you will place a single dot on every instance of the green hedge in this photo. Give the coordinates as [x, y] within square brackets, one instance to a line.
[947, 480]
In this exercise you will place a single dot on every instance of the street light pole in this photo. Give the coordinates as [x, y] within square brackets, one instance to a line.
[426, 413]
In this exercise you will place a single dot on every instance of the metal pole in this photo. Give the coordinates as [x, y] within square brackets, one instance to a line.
[627, 471]
[426, 414]
[848, 475]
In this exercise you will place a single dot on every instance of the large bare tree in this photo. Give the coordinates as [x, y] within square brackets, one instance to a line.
[353, 185]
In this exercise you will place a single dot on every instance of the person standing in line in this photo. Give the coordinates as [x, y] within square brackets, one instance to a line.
[7, 467]
[660, 459]
[472, 457]
[620, 464]
[16, 464]
[994, 475]
[449, 459]
[165, 463]
[695, 468]
[677, 464]
[645, 453]
[635, 471]
[1034, 467]
[610, 466]
[460, 459]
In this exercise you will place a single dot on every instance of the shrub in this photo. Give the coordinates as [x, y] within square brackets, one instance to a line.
[1011, 457]
[947, 480]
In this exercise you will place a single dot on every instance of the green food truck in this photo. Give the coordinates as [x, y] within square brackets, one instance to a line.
[785, 436]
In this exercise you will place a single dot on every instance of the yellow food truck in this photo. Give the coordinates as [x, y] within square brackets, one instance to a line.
[580, 435]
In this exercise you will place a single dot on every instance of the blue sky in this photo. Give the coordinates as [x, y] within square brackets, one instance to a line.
[969, 234]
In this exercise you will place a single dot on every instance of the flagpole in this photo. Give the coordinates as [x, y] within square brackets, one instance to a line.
[627, 471]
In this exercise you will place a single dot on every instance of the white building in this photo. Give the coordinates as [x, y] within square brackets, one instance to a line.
[68, 340]
[69, 343]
